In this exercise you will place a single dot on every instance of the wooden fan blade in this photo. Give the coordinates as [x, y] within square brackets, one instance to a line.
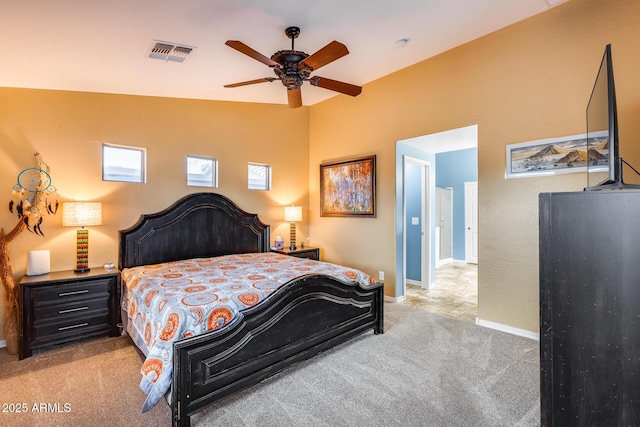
[243, 48]
[251, 82]
[327, 54]
[342, 87]
[295, 97]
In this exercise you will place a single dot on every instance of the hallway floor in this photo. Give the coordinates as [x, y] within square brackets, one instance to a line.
[454, 294]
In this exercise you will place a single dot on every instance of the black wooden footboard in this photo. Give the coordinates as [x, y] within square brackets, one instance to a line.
[301, 319]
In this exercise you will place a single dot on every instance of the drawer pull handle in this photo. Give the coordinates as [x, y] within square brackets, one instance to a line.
[71, 310]
[79, 325]
[66, 294]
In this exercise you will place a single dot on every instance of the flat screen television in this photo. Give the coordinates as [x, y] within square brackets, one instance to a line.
[602, 128]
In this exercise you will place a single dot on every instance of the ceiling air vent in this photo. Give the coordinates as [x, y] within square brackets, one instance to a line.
[170, 52]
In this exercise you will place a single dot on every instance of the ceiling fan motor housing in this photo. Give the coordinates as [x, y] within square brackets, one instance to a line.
[291, 74]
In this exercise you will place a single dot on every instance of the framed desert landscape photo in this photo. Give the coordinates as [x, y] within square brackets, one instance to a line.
[348, 187]
[558, 155]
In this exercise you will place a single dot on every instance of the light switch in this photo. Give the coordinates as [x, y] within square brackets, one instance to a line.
[415, 220]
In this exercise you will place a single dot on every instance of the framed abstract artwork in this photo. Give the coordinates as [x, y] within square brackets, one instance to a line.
[348, 187]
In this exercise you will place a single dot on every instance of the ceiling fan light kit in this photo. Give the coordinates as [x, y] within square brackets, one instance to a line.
[294, 67]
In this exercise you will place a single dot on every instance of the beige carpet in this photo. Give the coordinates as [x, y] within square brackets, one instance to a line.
[90, 383]
[426, 369]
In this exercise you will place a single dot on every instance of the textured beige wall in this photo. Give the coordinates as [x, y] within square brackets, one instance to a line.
[529, 81]
[67, 128]
[526, 82]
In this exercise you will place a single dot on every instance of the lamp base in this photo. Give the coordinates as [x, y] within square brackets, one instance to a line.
[292, 236]
[82, 251]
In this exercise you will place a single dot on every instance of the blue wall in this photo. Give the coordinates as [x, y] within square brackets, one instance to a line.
[453, 169]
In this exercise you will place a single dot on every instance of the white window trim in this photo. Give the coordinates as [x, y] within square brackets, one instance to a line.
[267, 179]
[143, 162]
[214, 177]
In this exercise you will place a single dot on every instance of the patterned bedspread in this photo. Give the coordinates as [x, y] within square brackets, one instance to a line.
[174, 300]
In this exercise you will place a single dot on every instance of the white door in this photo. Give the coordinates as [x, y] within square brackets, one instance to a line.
[424, 222]
[444, 225]
[471, 222]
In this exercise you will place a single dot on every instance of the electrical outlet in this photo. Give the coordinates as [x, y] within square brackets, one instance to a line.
[380, 275]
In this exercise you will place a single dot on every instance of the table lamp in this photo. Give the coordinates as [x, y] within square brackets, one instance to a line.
[292, 214]
[82, 214]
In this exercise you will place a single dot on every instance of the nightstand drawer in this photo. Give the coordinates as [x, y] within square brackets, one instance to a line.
[81, 307]
[77, 325]
[79, 290]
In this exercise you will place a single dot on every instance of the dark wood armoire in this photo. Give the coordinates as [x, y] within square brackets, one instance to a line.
[590, 308]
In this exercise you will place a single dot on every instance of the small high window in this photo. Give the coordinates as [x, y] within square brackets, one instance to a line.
[202, 171]
[259, 177]
[125, 164]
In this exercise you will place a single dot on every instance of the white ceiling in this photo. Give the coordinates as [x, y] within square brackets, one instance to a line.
[448, 140]
[103, 46]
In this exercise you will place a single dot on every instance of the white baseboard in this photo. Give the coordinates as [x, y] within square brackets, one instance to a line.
[413, 282]
[445, 261]
[416, 283]
[393, 299]
[508, 329]
[3, 344]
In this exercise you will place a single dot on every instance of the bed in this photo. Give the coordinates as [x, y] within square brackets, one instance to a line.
[307, 315]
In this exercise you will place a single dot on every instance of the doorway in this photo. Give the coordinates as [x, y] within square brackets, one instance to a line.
[443, 151]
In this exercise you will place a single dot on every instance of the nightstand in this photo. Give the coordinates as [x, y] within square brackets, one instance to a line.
[306, 252]
[64, 306]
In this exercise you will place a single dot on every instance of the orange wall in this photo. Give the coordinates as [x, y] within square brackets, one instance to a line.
[68, 128]
[529, 81]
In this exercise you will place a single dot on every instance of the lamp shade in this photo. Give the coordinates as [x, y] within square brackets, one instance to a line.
[293, 213]
[81, 214]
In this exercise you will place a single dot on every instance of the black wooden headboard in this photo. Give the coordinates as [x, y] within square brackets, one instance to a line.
[196, 226]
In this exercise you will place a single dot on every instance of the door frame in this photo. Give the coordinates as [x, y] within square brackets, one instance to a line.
[438, 235]
[425, 221]
[470, 215]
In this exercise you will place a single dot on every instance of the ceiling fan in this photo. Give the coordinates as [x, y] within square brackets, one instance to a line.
[293, 67]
